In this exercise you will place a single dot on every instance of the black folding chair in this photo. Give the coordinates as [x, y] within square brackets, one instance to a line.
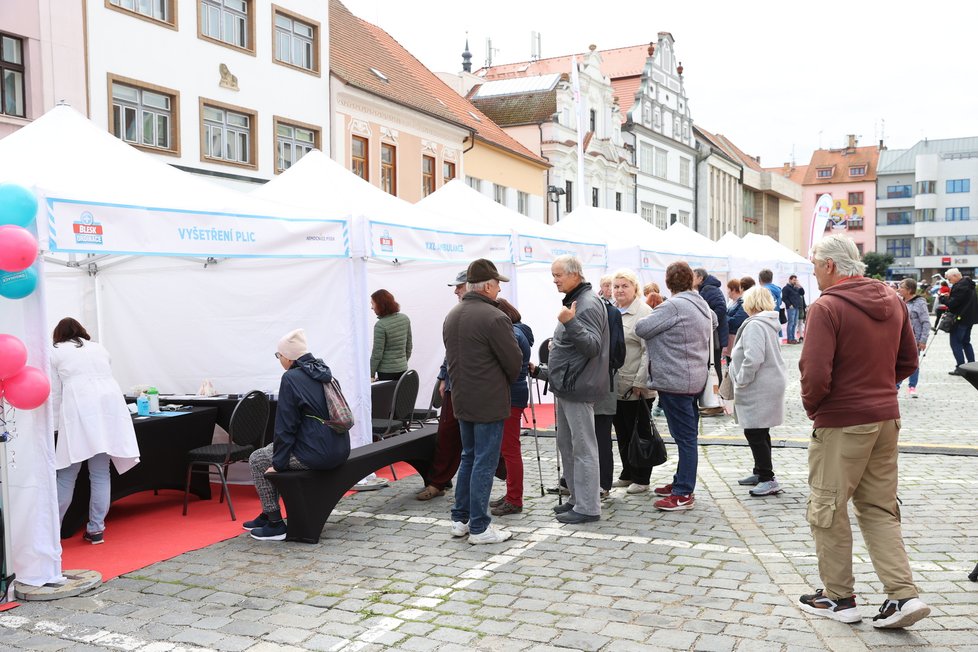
[401, 412]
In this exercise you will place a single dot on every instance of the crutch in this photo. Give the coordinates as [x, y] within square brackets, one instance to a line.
[929, 343]
[536, 440]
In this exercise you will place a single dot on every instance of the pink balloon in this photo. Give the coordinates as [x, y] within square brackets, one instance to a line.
[18, 248]
[27, 389]
[13, 355]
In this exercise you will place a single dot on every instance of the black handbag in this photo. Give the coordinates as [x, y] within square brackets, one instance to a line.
[646, 453]
[782, 316]
[947, 322]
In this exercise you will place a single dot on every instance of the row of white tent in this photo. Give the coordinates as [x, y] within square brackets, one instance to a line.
[183, 279]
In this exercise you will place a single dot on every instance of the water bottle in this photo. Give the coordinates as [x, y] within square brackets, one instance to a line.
[153, 395]
[142, 405]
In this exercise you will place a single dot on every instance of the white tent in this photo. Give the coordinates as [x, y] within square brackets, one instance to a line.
[682, 243]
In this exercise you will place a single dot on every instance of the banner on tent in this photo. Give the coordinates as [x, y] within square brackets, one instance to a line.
[396, 241]
[89, 227]
[543, 250]
[660, 260]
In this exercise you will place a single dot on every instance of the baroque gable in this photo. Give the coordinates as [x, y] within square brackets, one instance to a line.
[660, 104]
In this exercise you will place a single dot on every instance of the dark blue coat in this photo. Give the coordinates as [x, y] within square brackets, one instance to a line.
[519, 391]
[736, 316]
[710, 291]
[793, 297]
[299, 417]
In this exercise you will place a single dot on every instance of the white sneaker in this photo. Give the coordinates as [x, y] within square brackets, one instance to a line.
[491, 535]
[897, 614]
[459, 529]
[621, 483]
[637, 488]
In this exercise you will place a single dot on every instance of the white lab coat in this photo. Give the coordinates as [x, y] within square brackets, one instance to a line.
[89, 408]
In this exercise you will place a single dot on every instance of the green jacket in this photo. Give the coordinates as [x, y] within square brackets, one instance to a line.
[392, 344]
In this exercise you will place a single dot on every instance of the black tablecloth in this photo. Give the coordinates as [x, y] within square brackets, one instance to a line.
[225, 408]
[163, 445]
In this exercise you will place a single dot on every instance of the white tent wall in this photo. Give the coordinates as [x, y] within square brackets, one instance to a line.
[70, 292]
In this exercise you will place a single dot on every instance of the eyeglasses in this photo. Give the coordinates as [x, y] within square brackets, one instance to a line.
[278, 356]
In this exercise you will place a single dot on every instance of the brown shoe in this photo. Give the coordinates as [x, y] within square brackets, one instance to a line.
[711, 412]
[430, 492]
[506, 509]
[497, 502]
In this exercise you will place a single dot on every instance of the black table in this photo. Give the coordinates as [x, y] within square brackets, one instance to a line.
[225, 408]
[163, 445]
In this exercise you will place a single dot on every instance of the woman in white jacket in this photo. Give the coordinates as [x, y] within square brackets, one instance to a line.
[759, 378]
[92, 419]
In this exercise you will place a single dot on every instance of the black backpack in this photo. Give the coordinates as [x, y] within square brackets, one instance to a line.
[616, 339]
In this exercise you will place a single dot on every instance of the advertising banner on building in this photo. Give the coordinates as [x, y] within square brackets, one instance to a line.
[532, 249]
[397, 241]
[92, 227]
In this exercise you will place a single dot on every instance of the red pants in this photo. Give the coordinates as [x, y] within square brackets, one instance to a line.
[513, 457]
[448, 449]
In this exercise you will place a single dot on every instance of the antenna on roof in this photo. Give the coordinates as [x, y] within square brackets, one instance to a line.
[489, 51]
[534, 46]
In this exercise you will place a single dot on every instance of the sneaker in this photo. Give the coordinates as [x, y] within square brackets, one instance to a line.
[260, 521]
[274, 531]
[563, 507]
[766, 488]
[749, 481]
[621, 483]
[674, 503]
[505, 509]
[497, 502]
[460, 529]
[492, 534]
[576, 518]
[94, 538]
[564, 491]
[657, 411]
[637, 488]
[912, 391]
[955, 372]
[843, 610]
[664, 490]
[895, 614]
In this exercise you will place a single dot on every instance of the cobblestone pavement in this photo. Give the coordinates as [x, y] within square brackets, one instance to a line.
[723, 576]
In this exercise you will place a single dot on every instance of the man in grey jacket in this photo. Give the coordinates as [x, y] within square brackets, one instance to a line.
[578, 377]
[483, 360]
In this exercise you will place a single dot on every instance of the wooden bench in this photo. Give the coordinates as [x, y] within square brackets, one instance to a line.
[310, 496]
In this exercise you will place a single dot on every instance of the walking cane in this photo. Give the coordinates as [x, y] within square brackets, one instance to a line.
[560, 496]
[927, 348]
[536, 438]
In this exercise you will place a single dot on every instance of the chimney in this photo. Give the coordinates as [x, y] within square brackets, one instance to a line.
[852, 141]
[882, 146]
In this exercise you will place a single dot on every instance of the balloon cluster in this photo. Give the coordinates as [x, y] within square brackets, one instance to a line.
[18, 246]
[22, 386]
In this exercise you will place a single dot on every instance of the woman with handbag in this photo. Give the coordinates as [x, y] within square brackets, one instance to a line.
[758, 377]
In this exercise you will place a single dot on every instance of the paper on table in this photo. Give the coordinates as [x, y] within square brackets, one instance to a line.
[169, 414]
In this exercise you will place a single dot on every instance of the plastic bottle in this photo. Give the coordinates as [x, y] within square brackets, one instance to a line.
[153, 395]
[142, 405]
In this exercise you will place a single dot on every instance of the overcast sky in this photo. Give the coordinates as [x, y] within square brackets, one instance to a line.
[776, 78]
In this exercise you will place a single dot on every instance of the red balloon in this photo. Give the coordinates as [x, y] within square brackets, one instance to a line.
[18, 248]
[13, 355]
[27, 389]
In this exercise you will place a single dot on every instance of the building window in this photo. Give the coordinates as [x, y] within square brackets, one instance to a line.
[899, 247]
[228, 134]
[427, 175]
[447, 171]
[12, 76]
[359, 158]
[684, 218]
[926, 187]
[648, 212]
[857, 171]
[962, 245]
[229, 22]
[594, 197]
[661, 168]
[661, 219]
[824, 173]
[957, 214]
[296, 41]
[475, 184]
[899, 192]
[617, 201]
[594, 120]
[646, 158]
[499, 193]
[388, 168]
[292, 142]
[568, 196]
[522, 202]
[897, 217]
[931, 246]
[924, 215]
[144, 115]
[684, 171]
[958, 185]
[158, 10]
[855, 198]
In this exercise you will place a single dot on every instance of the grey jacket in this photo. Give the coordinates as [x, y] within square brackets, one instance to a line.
[919, 319]
[579, 352]
[677, 336]
[758, 372]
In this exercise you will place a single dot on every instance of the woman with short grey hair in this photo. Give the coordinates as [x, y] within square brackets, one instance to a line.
[919, 322]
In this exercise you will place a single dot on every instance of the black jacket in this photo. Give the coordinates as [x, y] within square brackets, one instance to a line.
[792, 297]
[963, 302]
[710, 291]
[299, 427]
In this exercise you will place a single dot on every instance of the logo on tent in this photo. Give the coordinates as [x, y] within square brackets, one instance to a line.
[528, 250]
[87, 230]
[386, 241]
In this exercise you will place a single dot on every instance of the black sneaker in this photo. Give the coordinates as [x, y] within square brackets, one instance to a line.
[94, 538]
[896, 614]
[260, 521]
[844, 610]
[272, 532]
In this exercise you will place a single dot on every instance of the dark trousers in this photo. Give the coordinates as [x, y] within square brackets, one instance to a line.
[448, 449]
[606, 458]
[760, 445]
[394, 375]
[718, 363]
[625, 417]
[961, 344]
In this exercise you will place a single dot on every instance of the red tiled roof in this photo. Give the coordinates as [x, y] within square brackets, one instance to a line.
[794, 173]
[615, 63]
[624, 89]
[839, 161]
[715, 141]
[517, 109]
[356, 47]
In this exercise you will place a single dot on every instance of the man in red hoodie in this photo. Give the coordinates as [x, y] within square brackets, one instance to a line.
[858, 346]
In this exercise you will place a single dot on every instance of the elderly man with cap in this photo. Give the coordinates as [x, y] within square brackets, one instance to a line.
[483, 361]
[302, 439]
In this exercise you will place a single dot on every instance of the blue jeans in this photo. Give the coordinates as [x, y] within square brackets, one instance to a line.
[914, 377]
[682, 415]
[792, 324]
[480, 455]
[98, 506]
[961, 344]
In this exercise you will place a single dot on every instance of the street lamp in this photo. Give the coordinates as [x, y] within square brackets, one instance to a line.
[555, 194]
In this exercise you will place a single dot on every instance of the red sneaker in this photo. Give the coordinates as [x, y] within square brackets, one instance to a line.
[674, 503]
[665, 490]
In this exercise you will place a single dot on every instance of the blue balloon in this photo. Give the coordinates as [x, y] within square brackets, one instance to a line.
[18, 206]
[17, 285]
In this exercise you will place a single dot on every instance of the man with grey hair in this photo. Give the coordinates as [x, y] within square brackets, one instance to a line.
[858, 345]
[962, 302]
[578, 372]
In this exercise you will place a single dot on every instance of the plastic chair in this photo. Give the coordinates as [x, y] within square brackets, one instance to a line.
[402, 410]
[248, 422]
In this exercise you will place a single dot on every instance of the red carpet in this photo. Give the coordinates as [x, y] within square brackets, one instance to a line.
[545, 416]
[143, 529]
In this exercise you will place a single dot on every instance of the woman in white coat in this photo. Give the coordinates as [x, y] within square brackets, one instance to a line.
[92, 419]
[758, 374]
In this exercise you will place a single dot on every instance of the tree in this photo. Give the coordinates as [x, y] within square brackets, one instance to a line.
[877, 263]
